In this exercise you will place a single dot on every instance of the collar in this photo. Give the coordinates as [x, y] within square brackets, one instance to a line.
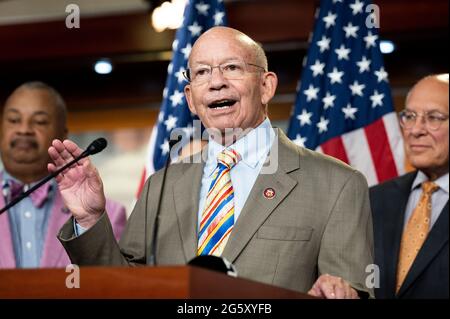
[7, 177]
[442, 181]
[253, 147]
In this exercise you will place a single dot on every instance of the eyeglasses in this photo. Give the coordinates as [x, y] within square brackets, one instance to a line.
[233, 70]
[433, 119]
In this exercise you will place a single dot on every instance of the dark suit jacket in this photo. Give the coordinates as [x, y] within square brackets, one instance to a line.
[428, 276]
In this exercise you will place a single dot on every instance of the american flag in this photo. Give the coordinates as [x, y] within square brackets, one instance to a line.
[199, 16]
[344, 106]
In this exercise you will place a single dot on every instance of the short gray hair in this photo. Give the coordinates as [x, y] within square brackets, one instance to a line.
[58, 99]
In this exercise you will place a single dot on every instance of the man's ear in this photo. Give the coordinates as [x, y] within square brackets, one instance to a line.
[188, 95]
[269, 84]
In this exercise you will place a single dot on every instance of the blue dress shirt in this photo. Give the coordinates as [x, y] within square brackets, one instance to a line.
[438, 199]
[29, 227]
[253, 149]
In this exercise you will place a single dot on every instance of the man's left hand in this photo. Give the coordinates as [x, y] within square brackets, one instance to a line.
[331, 287]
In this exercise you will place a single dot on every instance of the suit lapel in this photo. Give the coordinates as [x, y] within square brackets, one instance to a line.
[257, 208]
[186, 207]
[394, 228]
[436, 239]
[53, 250]
[7, 257]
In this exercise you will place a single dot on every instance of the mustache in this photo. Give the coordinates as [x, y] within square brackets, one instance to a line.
[24, 140]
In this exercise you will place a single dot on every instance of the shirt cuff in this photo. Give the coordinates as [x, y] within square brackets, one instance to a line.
[79, 230]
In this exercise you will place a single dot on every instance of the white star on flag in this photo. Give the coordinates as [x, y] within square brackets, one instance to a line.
[171, 122]
[187, 51]
[165, 147]
[335, 76]
[218, 17]
[170, 68]
[324, 44]
[364, 64]
[342, 52]
[381, 75]
[304, 118]
[349, 111]
[179, 75]
[377, 98]
[317, 68]
[350, 30]
[311, 93]
[370, 39]
[357, 88]
[195, 29]
[300, 141]
[177, 98]
[175, 44]
[357, 7]
[330, 19]
[202, 8]
[328, 100]
[323, 125]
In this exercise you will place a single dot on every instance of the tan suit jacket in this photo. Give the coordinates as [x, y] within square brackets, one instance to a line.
[318, 222]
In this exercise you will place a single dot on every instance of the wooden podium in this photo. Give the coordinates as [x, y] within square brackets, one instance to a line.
[177, 282]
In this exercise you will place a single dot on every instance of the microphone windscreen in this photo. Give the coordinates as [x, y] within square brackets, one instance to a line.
[214, 263]
[97, 146]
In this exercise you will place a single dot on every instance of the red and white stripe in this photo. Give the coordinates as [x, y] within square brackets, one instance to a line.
[375, 150]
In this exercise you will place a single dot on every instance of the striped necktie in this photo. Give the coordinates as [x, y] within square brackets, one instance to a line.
[218, 216]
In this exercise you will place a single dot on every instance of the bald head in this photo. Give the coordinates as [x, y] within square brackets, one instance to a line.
[235, 37]
[426, 140]
[437, 83]
[230, 85]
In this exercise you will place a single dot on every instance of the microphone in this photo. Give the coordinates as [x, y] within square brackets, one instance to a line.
[214, 263]
[95, 147]
[151, 257]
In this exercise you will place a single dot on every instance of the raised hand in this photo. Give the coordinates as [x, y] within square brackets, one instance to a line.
[80, 185]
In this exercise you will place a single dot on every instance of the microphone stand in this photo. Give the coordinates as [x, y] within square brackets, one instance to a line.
[151, 257]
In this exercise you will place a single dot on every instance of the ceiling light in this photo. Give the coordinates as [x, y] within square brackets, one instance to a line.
[103, 66]
[386, 46]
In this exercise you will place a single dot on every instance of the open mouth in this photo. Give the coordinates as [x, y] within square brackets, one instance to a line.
[222, 104]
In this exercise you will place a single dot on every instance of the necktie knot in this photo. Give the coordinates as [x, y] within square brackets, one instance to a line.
[429, 187]
[228, 157]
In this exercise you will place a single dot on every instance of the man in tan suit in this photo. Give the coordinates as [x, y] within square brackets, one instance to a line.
[286, 216]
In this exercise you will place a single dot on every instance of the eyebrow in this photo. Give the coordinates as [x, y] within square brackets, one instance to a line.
[35, 113]
[223, 61]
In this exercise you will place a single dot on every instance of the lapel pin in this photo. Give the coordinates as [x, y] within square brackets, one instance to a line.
[269, 193]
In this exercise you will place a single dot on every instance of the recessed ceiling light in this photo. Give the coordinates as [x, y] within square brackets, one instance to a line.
[386, 46]
[103, 66]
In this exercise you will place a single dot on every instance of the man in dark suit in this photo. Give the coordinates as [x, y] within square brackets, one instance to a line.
[410, 213]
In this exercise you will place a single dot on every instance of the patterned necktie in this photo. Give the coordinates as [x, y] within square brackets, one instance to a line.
[218, 216]
[38, 197]
[415, 233]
